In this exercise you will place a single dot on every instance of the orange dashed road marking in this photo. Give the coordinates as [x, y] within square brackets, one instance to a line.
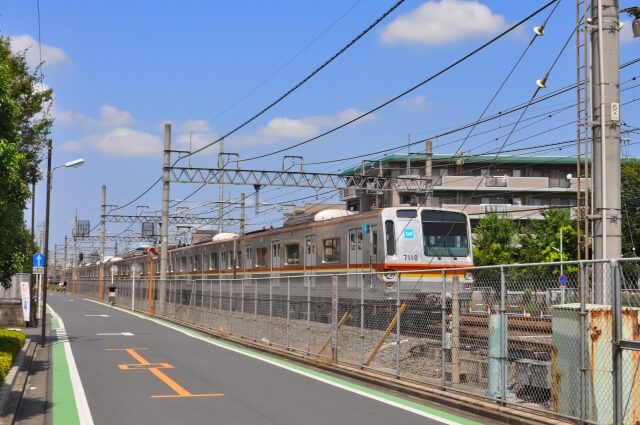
[155, 369]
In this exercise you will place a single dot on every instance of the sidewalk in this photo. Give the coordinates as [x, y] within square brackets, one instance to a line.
[28, 401]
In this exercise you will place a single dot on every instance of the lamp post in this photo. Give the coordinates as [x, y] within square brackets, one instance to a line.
[75, 163]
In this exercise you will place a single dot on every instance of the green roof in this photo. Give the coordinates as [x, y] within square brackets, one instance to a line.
[471, 159]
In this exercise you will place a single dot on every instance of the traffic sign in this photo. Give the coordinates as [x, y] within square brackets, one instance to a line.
[38, 260]
[562, 279]
[38, 270]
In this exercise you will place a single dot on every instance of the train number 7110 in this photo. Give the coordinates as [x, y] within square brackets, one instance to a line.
[408, 257]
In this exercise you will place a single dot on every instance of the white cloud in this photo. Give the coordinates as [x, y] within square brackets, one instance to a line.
[110, 116]
[285, 128]
[195, 134]
[443, 22]
[51, 55]
[123, 141]
[72, 146]
[417, 103]
[74, 119]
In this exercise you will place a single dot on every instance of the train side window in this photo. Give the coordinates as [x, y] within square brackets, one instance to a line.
[213, 261]
[183, 264]
[196, 263]
[261, 257]
[248, 256]
[238, 259]
[352, 241]
[292, 254]
[331, 250]
[205, 263]
[223, 260]
[374, 240]
[390, 237]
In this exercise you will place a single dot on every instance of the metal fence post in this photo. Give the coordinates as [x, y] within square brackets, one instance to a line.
[308, 318]
[398, 326]
[616, 333]
[219, 304]
[443, 309]
[210, 303]
[503, 336]
[271, 310]
[362, 323]
[455, 331]
[255, 309]
[583, 342]
[288, 310]
[230, 319]
[242, 307]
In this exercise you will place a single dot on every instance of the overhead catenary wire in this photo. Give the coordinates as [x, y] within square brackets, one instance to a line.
[411, 89]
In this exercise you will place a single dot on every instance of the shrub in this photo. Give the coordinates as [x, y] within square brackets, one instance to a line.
[6, 361]
[11, 341]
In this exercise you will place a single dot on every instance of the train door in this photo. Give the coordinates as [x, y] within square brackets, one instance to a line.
[276, 262]
[354, 260]
[309, 259]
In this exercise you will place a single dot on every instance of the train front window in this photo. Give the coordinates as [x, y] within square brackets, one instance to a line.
[444, 234]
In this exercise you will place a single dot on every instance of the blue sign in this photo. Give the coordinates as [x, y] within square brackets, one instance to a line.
[365, 229]
[562, 279]
[38, 260]
[408, 233]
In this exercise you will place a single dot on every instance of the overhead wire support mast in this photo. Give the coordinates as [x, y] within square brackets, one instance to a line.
[173, 219]
[295, 179]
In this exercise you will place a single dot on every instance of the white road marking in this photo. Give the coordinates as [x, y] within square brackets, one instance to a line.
[115, 333]
[96, 315]
[84, 413]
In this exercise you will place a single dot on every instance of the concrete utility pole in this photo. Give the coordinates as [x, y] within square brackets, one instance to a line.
[428, 173]
[74, 259]
[64, 261]
[243, 214]
[55, 262]
[164, 229]
[103, 213]
[221, 189]
[605, 46]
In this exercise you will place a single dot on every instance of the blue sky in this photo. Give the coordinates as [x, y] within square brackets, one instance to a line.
[121, 69]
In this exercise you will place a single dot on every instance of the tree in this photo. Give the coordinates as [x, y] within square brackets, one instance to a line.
[630, 176]
[494, 240]
[22, 130]
[541, 239]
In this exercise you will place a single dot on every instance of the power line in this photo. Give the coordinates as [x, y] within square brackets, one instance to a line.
[411, 89]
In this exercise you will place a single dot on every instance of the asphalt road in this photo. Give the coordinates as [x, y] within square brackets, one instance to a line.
[159, 375]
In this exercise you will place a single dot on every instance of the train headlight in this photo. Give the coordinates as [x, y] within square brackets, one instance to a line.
[390, 275]
[468, 275]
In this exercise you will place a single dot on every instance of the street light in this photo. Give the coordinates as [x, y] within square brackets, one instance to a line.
[75, 163]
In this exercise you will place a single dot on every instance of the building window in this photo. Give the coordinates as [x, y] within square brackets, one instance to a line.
[331, 250]
[261, 257]
[293, 254]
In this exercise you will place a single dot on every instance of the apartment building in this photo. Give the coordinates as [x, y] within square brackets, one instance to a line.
[518, 186]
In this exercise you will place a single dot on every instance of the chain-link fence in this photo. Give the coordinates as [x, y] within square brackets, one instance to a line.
[541, 336]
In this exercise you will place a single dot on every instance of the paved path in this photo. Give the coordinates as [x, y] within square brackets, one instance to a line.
[135, 370]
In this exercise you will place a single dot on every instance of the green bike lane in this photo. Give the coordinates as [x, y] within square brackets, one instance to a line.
[257, 387]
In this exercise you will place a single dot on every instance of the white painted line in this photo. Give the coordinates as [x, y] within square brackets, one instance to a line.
[84, 413]
[115, 333]
[96, 315]
[248, 353]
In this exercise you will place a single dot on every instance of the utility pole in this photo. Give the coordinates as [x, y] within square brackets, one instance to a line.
[45, 279]
[103, 213]
[74, 259]
[428, 201]
[164, 229]
[221, 189]
[64, 261]
[243, 214]
[605, 45]
[55, 261]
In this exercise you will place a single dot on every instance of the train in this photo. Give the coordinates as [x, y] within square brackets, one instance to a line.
[383, 248]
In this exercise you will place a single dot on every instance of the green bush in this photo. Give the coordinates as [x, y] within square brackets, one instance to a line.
[11, 341]
[6, 361]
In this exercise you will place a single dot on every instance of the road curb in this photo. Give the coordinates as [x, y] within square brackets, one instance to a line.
[12, 389]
